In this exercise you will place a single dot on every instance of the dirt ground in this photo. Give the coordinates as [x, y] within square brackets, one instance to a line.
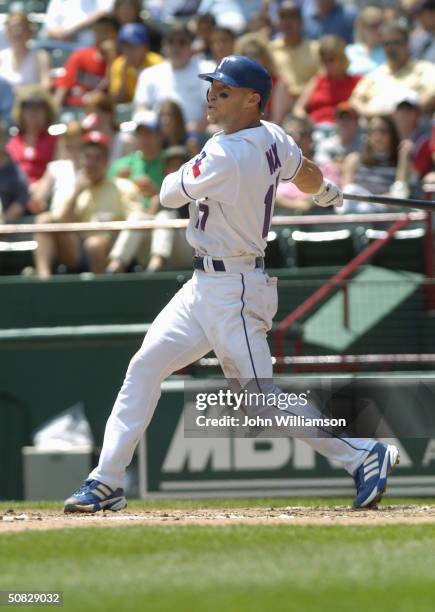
[13, 521]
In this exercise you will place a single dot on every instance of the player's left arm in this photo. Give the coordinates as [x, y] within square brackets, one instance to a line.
[310, 179]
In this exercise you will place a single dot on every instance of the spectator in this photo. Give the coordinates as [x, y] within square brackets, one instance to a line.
[33, 147]
[100, 115]
[14, 194]
[177, 79]
[228, 13]
[145, 166]
[255, 47]
[323, 17]
[203, 27]
[331, 151]
[162, 248]
[72, 20]
[330, 86]
[222, 43]
[376, 168]
[413, 137]
[60, 177]
[422, 39]
[260, 23]
[20, 63]
[367, 53]
[173, 128]
[296, 58]
[135, 56]
[7, 100]
[169, 247]
[86, 70]
[127, 11]
[288, 196]
[378, 90]
[95, 198]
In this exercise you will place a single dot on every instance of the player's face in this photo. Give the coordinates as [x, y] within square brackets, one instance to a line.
[226, 104]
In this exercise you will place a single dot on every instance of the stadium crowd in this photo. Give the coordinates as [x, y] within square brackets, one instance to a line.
[99, 99]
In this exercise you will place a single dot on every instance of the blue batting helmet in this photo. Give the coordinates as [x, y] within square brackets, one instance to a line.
[241, 71]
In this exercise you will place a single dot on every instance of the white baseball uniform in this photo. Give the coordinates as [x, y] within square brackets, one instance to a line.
[228, 306]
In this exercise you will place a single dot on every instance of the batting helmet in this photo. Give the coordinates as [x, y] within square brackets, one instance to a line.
[241, 71]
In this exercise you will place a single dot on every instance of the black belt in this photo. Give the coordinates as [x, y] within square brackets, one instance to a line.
[218, 264]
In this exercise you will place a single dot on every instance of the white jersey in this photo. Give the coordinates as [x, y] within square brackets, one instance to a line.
[232, 185]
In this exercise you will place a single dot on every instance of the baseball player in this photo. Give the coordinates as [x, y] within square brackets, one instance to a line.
[229, 303]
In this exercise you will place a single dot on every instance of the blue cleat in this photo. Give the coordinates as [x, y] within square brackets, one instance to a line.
[371, 476]
[94, 496]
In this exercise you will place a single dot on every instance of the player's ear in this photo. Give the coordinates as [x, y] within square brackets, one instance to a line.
[254, 99]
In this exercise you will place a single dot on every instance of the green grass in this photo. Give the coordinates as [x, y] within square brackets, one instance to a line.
[260, 502]
[227, 569]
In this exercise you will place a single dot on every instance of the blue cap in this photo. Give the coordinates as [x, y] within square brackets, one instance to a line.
[241, 71]
[134, 34]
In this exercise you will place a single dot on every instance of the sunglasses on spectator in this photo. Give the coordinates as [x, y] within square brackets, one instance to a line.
[374, 25]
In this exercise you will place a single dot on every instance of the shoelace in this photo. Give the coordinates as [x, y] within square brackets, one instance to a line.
[84, 487]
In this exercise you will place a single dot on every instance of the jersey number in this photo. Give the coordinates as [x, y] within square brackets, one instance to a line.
[269, 199]
[202, 216]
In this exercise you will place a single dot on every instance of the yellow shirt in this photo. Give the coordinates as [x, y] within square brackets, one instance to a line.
[110, 200]
[379, 90]
[295, 65]
[117, 70]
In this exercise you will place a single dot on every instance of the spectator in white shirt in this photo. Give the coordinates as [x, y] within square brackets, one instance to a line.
[72, 20]
[20, 64]
[177, 79]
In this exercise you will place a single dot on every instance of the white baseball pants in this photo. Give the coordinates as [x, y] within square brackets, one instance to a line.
[229, 313]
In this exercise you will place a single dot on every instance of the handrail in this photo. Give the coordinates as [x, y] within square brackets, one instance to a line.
[306, 306]
[278, 220]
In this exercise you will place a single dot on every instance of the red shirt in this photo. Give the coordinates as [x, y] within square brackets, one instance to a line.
[84, 70]
[32, 160]
[327, 94]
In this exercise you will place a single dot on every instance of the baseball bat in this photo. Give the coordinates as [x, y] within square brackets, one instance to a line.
[420, 204]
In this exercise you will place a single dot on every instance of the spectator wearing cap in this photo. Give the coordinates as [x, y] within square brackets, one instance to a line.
[20, 63]
[87, 69]
[14, 193]
[323, 17]
[145, 165]
[133, 39]
[377, 91]
[367, 52]
[95, 198]
[295, 57]
[422, 39]
[331, 151]
[33, 146]
[414, 138]
[177, 79]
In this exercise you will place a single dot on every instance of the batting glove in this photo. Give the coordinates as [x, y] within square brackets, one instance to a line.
[328, 195]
